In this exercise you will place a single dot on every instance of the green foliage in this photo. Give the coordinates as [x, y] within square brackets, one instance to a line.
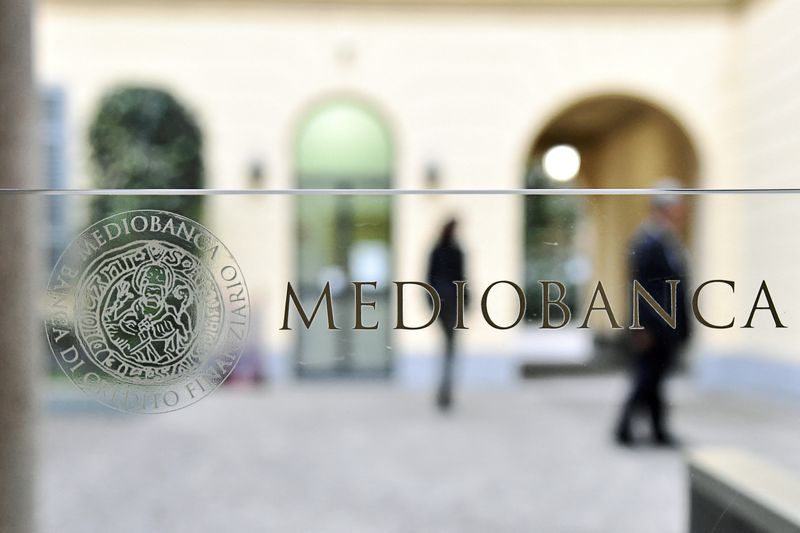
[550, 231]
[143, 138]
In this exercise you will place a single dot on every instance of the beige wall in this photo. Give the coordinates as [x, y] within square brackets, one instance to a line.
[766, 115]
[467, 87]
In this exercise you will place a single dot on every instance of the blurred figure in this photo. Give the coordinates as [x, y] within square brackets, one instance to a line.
[657, 254]
[445, 266]
[250, 369]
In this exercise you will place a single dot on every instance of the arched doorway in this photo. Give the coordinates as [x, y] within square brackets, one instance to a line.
[344, 144]
[621, 142]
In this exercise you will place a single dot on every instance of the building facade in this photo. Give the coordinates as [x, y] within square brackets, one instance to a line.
[465, 95]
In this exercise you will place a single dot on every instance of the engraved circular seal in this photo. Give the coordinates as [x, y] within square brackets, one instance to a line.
[148, 311]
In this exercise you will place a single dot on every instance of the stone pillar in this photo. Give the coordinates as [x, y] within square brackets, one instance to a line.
[19, 350]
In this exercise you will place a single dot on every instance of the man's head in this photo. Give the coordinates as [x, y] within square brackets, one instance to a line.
[449, 230]
[669, 209]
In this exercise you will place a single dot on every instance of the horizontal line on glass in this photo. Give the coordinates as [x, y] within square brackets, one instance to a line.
[399, 192]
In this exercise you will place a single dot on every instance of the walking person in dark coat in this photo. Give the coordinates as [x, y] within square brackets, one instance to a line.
[445, 266]
[656, 256]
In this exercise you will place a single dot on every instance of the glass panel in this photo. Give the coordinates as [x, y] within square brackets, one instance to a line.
[540, 406]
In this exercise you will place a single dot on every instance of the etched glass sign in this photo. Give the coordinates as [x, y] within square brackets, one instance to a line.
[148, 311]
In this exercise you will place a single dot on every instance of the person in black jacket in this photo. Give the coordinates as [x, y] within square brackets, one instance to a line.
[445, 266]
[656, 256]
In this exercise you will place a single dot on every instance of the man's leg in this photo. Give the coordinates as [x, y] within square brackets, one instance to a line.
[444, 397]
[656, 403]
[634, 400]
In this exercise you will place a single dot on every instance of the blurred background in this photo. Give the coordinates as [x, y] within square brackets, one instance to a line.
[337, 431]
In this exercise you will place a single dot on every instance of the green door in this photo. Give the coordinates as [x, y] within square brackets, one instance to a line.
[342, 238]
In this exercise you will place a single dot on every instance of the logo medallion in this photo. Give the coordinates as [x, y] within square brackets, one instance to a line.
[148, 311]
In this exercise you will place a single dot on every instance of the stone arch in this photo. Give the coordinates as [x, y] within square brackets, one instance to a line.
[625, 141]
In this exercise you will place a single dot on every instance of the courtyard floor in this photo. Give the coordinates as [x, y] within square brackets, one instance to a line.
[375, 457]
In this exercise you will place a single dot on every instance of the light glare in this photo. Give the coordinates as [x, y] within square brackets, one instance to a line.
[562, 162]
